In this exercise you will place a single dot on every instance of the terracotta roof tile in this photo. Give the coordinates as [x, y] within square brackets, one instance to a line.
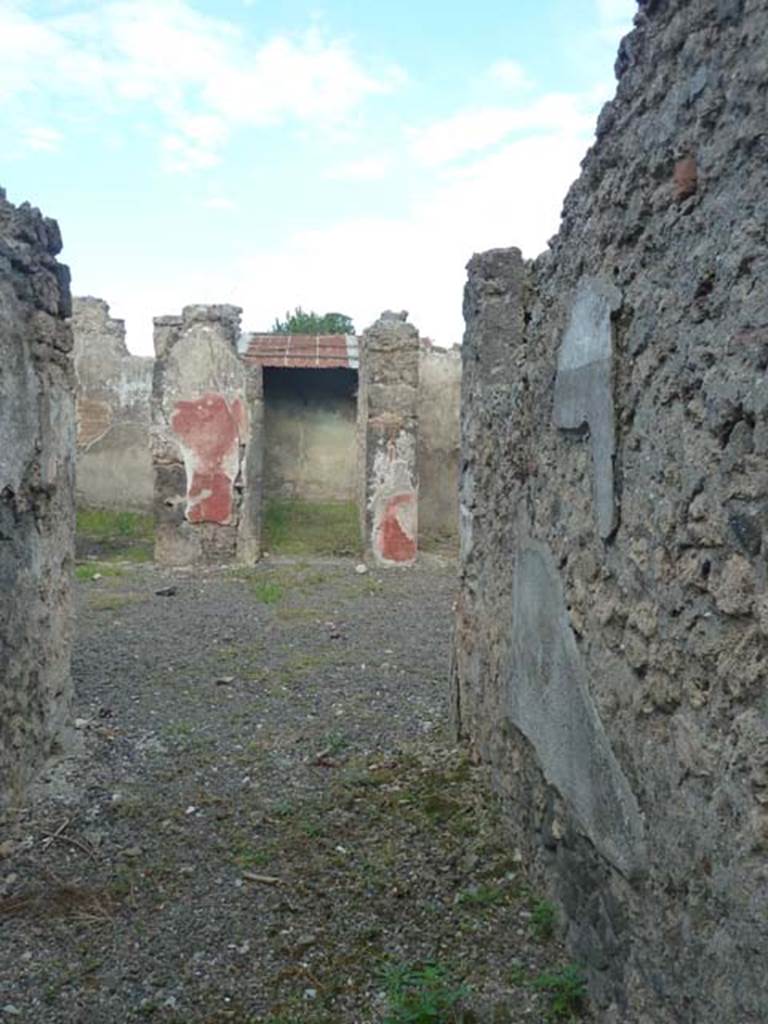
[322, 351]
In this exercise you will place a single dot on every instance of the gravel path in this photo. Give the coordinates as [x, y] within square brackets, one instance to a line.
[267, 821]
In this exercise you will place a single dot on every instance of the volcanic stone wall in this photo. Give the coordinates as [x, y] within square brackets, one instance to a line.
[611, 649]
[206, 441]
[114, 465]
[37, 470]
[387, 433]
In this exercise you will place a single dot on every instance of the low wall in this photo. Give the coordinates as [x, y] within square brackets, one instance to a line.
[611, 654]
[37, 512]
[439, 401]
[114, 465]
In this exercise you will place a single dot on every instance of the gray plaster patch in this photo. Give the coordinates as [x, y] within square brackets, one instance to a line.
[583, 387]
[548, 700]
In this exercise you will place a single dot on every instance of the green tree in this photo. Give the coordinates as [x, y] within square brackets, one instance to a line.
[299, 322]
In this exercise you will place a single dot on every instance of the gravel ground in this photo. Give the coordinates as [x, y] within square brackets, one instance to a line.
[266, 819]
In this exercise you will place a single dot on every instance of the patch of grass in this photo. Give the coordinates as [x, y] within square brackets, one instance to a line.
[334, 743]
[247, 856]
[144, 552]
[543, 919]
[90, 570]
[567, 990]
[267, 591]
[105, 524]
[311, 528]
[421, 995]
[481, 896]
[115, 532]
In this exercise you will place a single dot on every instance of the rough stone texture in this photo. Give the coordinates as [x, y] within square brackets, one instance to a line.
[387, 431]
[438, 445]
[114, 465]
[37, 471]
[206, 450]
[610, 655]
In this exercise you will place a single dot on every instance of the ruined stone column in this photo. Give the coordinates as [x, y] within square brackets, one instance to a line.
[37, 471]
[388, 429]
[114, 465]
[205, 423]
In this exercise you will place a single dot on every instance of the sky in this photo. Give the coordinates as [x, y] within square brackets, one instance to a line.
[341, 155]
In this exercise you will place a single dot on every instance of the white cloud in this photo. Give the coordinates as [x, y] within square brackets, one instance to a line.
[219, 203]
[182, 155]
[371, 168]
[200, 74]
[616, 12]
[416, 262]
[44, 140]
[477, 129]
[510, 74]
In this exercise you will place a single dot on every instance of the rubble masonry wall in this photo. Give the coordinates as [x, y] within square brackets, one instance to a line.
[611, 649]
[37, 470]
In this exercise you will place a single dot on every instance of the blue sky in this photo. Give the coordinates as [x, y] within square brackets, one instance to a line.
[338, 155]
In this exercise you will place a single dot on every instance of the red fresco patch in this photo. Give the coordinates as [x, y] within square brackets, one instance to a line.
[395, 544]
[210, 428]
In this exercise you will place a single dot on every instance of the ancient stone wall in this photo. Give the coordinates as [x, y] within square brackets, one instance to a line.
[114, 465]
[612, 627]
[37, 470]
[439, 400]
[387, 432]
[206, 448]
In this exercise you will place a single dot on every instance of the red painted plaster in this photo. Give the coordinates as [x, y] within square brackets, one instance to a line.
[395, 544]
[210, 429]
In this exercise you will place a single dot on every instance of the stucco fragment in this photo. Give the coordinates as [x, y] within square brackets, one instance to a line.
[584, 386]
[548, 699]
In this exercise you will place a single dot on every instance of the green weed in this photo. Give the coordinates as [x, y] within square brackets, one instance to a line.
[247, 856]
[422, 995]
[543, 920]
[267, 591]
[481, 896]
[567, 990]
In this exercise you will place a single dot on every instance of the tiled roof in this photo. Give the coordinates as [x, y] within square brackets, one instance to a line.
[318, 351]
